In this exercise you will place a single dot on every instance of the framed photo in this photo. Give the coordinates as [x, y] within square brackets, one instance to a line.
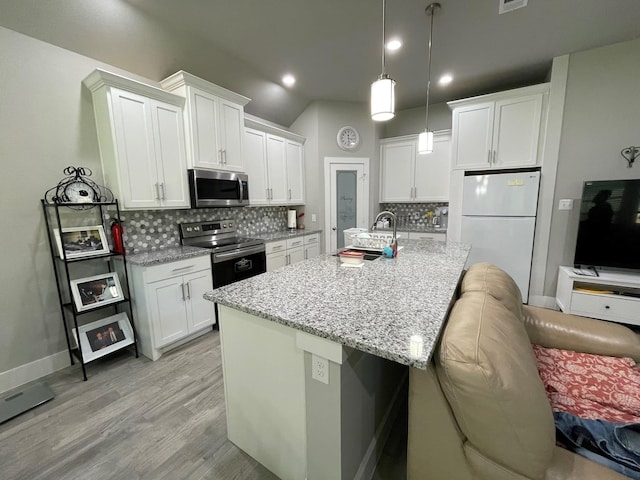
[104, 336]
[93, 292]
[81, 241]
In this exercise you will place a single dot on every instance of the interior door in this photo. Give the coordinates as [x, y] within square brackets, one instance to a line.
[348, 202]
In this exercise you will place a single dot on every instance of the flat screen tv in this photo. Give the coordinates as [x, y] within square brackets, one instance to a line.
[609, 230]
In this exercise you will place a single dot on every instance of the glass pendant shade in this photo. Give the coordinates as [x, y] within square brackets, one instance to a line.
[425, 142]
[383, 99]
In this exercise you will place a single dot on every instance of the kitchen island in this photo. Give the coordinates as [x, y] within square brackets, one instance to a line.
[315, 354]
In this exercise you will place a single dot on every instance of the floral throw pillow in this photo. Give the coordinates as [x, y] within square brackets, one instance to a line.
[590, 386]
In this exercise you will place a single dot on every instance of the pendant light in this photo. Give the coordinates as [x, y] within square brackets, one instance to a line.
[425, 139]
[382, 90]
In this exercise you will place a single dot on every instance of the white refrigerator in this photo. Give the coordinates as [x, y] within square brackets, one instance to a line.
[499, 220]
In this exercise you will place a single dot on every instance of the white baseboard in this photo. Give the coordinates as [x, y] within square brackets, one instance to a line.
[370, 459]
[32, 371]
[542, 301]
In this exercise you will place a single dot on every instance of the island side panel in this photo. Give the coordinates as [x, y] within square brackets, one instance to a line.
[264, 384]
[372, 392]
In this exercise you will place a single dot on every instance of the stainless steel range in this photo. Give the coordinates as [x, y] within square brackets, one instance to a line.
[233, 258]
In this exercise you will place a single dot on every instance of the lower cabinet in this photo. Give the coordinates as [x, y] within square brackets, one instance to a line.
[169, 304]
[311, 246]
[292, 250]
[440, 237]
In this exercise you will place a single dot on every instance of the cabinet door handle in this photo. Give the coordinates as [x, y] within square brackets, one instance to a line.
[224, 154]
[277, 247]
[271, 194]
[157, 191]
[220, 155]
[289, 194]
[188, 285]
[305, 254]
[494, 157]
[182, 288]
[162, 188]
[489, 156]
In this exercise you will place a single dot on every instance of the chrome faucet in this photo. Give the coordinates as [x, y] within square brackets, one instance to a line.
[394, 240]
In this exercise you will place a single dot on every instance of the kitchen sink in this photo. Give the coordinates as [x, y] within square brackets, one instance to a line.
[368, 254]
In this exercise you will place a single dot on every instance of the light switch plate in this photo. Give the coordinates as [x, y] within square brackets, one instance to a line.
[565, 204]
[314, 217]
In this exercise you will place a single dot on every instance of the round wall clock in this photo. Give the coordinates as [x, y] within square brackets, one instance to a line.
[348, 138]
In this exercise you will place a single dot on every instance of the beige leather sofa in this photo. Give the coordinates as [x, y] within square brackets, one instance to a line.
[480, 410]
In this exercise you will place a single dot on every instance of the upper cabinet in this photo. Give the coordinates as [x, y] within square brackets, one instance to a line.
[142, 142]
[500, 130]
[407, 176]
[275, 165]
[214, 122]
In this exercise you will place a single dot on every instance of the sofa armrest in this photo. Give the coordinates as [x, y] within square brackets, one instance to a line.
[553, 329]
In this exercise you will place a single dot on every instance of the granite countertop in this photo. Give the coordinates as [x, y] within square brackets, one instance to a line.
[165, 255]
[284, 234]
[378, 308]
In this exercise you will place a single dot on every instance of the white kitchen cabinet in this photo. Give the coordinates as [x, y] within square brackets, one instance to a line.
[275, 165]
[276, 170]
[214, 121]
[291, 250]
[169, 304]
[440, 237]
[311, 246]
[295, 250]
[295, 172]
[276, 253]
[407, 176]
[142, 143]
[500, 130]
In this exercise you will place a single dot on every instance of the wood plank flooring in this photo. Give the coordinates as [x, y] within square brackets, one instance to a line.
[140, 420]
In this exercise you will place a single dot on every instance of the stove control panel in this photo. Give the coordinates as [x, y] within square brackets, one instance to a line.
[213, 227]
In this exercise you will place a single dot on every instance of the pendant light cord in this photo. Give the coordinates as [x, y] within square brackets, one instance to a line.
[430, 10]
[384, 36]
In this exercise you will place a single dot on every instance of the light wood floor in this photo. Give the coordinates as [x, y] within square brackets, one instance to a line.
[137, 419]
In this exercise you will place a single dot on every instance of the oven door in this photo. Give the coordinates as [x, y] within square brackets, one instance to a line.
[236, 265]
[218, 189]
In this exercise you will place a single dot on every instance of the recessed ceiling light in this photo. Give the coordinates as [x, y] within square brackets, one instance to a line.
[445, 79]
[288, 80]
[394, 44]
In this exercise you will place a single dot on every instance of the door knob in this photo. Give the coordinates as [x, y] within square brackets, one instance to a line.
[333, 228]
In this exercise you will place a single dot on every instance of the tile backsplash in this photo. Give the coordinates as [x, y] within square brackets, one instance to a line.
[157, 229]
[413, 215]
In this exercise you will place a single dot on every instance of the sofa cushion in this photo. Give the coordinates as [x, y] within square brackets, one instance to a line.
[489, 375]
[484, 277]
[590, 386]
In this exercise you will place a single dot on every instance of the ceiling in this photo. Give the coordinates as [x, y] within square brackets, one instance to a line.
[333, 47]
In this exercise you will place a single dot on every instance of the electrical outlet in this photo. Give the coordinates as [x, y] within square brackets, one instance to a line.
[320, 369]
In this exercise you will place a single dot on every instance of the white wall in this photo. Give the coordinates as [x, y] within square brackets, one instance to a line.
[601, 117]
[412, 121]
[320, 123]
[46, 124]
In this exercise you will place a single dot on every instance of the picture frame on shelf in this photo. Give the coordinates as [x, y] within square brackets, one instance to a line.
[79, 242]
[104, 336]
[93, 292]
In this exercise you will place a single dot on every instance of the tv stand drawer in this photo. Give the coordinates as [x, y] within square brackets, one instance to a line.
[584, 295]
[607, 307]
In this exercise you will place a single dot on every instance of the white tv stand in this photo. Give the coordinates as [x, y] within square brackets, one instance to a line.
[613, 295]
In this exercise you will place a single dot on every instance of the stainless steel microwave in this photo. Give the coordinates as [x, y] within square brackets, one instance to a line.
[209, 188]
